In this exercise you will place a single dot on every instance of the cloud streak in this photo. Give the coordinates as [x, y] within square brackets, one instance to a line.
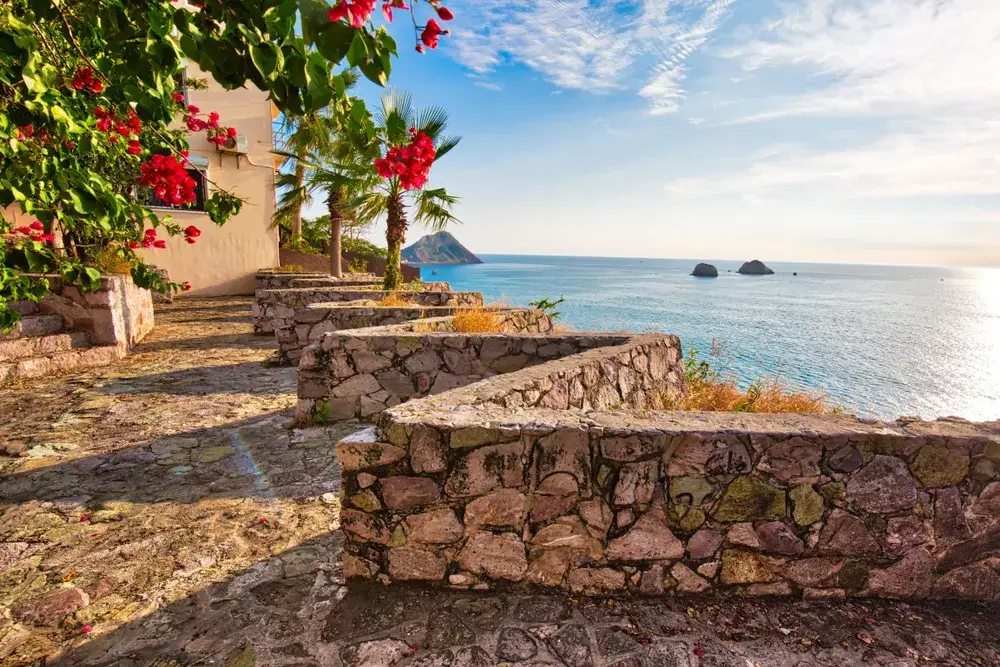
[592, 46]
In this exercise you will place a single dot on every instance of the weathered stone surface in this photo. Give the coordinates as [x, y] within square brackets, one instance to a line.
[366, 455]
[743, 535]
[52, 608]
[648, 539]
[435, 527]
[558, 484]
[572, 645]
[709, 570]
[651, 581]
[567, 450]
[473, 436]
[750, 499]
[775, 537]
[812, 572]
[845, 460]
[377, 653]
[627, 449]
[496, 556]
[366, 500]
[846, 535]
[501, 509]
[598, 517]
[567, 533]
[792, 460]
[359, 385]
[427, 450]
[776, 589]
[807, 505]
[687, 580]
[549, 568]
[975, 582]
[909, 578]
[486, 468]
[448, 628]
[595, 581]
[883, 486]
[515, 645]
[636, 482]
[690, 490]
[704, 543]
[983, 544]
[744, 567]
[358, 567]
[950, 524]
[364, 527]
[904, 533]
[406, 564]
[937, 466]
[404, 492]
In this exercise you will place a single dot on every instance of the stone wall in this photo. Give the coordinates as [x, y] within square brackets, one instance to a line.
[275, 309]
[357, 374]
[118, 313]
[274, 279]
[314, 322]
[460, 490]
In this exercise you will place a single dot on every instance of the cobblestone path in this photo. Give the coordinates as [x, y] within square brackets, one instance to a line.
[164, 512]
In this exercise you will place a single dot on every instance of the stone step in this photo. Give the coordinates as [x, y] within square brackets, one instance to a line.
[23, 307]
[58, 363]
[35, 325]
[42, 346]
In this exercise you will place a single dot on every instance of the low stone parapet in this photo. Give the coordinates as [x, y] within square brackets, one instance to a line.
[275, 309]
[498, 484]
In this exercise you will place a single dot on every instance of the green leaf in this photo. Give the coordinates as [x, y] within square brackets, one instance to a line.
[358, 51]
[267, 58]
[335, 41]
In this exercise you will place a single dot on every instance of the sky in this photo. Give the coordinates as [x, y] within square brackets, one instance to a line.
[811, 130]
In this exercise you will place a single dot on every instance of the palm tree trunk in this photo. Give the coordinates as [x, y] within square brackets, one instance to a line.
[300, 177]
[333, 208]
[395, 235]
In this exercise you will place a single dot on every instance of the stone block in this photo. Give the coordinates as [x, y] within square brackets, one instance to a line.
[485, 469]
[435, 527]
[846, 535]
[648, 539]
[704, 543]
[495, 556]
[775, 537]
[566, 450]
[365, 455]
[598, 517]
[750, 499]
[402, 492]
[807, 505]
[595, 581]
[427, 450]
[359, 385]
[937, 466]
[501, 509]
[950, 524]
[744, 567]
[636, 482]
[884, 486]
[910, 578]
[687, 580]
[812, 572]
[408, 564]
[904, 533]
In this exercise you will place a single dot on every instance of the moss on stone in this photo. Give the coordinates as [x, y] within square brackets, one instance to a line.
[744, 567]
[398, 537]
[985, 470]
[366, 500]
[602, 476]
[937, 466]
[807, 505]
[685, 518]
[750, 499]
[853, 576]
[474, 436]
[213, 454]
[396, 434]
[834, 490]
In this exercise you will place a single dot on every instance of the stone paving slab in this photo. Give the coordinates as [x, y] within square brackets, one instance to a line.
[162, 512]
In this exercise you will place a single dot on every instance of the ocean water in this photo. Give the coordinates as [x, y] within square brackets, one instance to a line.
[881, 341]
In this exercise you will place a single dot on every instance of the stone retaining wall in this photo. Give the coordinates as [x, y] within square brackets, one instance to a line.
[358, 374]
[118, 313]
[467, 490]
[286, 280]
[314, 322]
[275, 309]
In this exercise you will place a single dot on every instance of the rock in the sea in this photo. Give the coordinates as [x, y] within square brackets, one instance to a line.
[755, 268]
[705, 271]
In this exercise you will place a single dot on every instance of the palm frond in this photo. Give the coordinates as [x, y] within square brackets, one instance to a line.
[433, 208]
[432, 120]
[445, 144]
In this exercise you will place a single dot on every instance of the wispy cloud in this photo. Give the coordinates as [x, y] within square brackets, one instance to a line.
[924, 70]
[589, 45]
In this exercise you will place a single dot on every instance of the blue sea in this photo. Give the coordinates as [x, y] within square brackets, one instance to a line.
[880, 341]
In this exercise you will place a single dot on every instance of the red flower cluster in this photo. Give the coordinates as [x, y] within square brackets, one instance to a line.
[389, 5]
[148, 241]
[355, 11]
[34, 232]
[412, 163]
[186, 286]
[28, 132]
[108, 122]
[432, 31]
[177, 97]
[84, 80]
[169, 180]
[216, 134]
[191, 233]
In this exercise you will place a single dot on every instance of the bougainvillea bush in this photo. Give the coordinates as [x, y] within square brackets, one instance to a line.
[93, 117]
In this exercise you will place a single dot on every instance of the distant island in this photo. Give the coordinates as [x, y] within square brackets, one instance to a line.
[440, 248]
[755, 268]
[703, 270]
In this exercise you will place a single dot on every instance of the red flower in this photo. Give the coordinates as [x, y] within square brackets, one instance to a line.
[134, 147]
[169, 180]
[134, 245]
[28, 130]
[99, 112]
[24, 230]
[70, 145]
[84, 518]
[189, 240]
[86, 629]
[96, 87]
[389, 5]
[445, 14]
[192, 231]
[699, 651]
[432, 31]
[150, 232]
[213, 119]
[161, 244]
[193, 109]
[231, 132]
[45, 238]
[134, 123]
[37, 226]
[177, 97]
[186, 286]
[355, 11]
[420, 48]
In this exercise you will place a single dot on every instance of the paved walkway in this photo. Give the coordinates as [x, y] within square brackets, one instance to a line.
[163, 512]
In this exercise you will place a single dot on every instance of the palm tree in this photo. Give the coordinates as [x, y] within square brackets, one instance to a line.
[388, 199]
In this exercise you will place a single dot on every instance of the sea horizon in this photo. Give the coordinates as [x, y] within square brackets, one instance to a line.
[880, 340]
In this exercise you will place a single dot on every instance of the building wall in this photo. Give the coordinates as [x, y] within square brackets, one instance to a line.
[225, 259]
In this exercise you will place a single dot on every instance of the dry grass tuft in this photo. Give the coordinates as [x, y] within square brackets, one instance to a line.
[394, 300]
[707, 392]
[482, 319]
[292, 268]
[110, 261]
